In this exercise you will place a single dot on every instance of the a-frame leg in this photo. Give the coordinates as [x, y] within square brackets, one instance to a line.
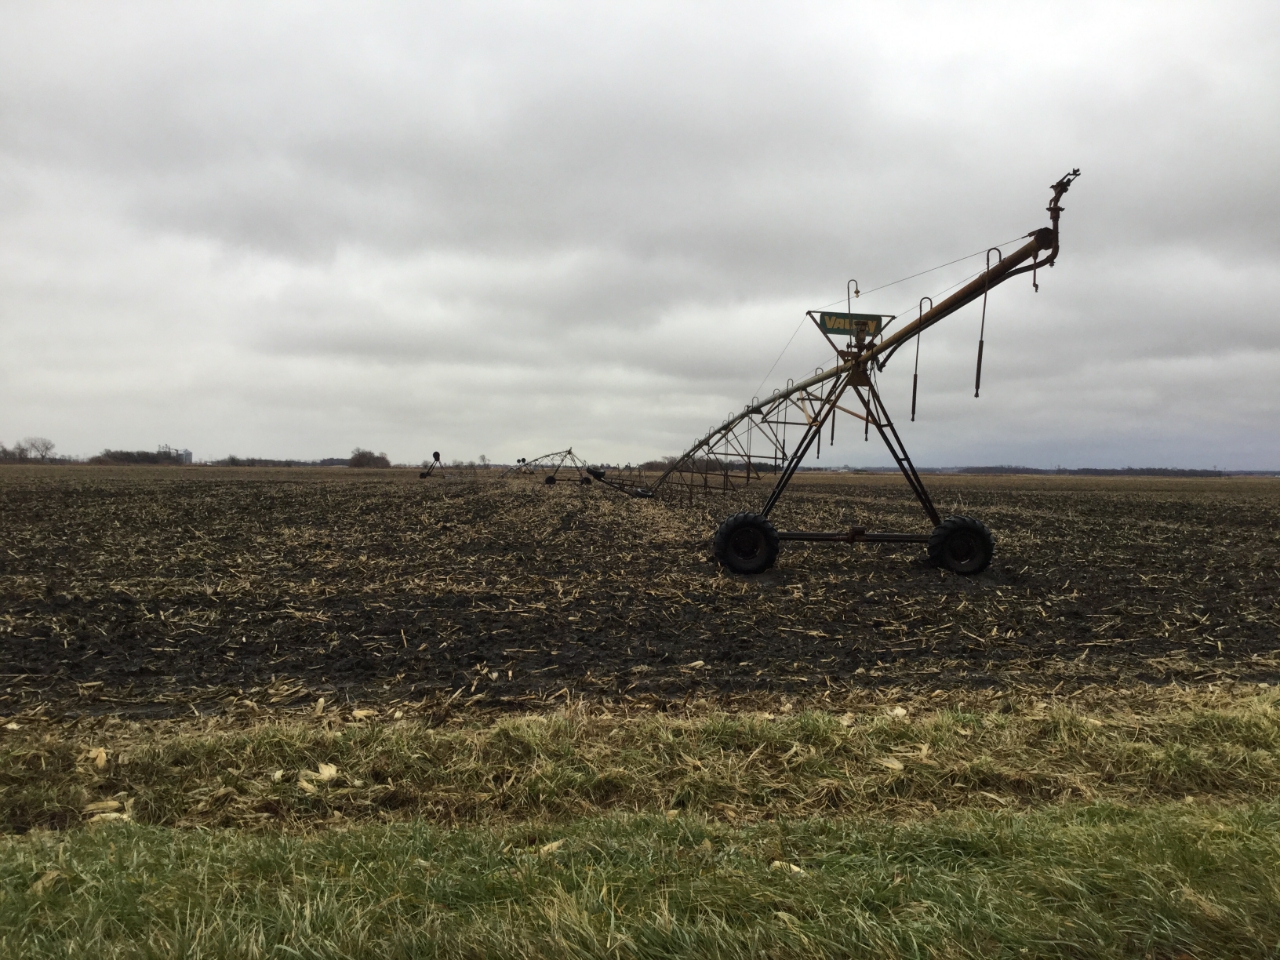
[879, 418]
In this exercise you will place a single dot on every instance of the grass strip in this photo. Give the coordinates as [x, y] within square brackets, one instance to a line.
[1082, 880]
[579, 763]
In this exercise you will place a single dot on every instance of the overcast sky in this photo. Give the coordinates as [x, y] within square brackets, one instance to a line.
[286, 230]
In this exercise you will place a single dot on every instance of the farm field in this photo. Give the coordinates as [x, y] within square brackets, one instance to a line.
[147, 591]
[335, 713]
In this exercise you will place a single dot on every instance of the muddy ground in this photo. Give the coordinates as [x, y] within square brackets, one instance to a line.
[153, 591]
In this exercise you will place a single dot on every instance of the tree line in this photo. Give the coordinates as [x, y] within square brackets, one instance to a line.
[29, 449]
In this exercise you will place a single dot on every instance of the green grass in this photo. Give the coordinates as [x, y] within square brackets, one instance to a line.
[1094, 880]
[1040, 829]
[738, 767]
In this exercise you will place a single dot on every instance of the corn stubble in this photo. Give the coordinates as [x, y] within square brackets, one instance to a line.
[144, 591]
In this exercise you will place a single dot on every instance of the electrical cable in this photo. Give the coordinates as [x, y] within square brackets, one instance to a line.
[756, 393]
[930, 270]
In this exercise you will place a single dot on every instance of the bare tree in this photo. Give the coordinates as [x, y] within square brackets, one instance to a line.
[367, 458]
[39, 446]
[484, 461]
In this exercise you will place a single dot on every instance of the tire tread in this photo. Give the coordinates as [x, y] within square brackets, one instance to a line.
[721, 542]
[943, 531]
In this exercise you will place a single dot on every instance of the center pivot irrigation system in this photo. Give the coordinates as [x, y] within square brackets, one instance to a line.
[565, 466]
[754, 444]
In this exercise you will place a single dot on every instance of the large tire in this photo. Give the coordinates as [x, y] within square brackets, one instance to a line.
[962, 545]
[746, 543]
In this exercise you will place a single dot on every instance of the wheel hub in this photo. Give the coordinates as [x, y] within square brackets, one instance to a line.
[962, 548]
[746, 544]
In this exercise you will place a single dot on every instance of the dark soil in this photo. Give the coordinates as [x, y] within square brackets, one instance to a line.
[150, 590]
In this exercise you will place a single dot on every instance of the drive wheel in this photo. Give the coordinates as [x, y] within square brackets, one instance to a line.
[962, 545]
[746, 543]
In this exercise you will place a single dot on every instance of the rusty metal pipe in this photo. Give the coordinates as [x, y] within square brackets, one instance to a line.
[965, 295]
[1046, 238]
[1042, 239]
[856, 535]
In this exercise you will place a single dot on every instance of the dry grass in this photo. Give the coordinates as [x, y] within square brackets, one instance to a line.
[893, 759]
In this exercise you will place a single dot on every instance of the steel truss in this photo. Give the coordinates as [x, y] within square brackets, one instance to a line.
[769, 440]
[549, 467]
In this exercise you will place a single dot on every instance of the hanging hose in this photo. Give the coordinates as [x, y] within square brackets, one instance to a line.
[915, 381]
[915, 377]
[977, 380]
[982, 331]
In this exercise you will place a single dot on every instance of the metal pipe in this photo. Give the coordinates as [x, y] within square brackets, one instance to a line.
[1046, 238]
[857, 535]
[1042, 239]
[960, 298]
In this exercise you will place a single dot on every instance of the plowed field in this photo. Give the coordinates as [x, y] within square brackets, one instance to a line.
[152, 590]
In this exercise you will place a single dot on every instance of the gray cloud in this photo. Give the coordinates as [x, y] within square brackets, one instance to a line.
[287, 229]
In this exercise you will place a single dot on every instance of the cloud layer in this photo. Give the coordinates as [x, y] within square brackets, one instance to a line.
[285, 230]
